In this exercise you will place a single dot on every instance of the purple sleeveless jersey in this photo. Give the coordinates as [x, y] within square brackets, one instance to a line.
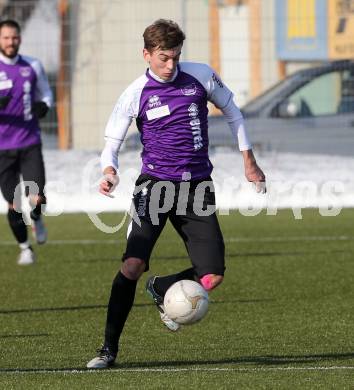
[18, 126]
[172, 117]
[173, 123]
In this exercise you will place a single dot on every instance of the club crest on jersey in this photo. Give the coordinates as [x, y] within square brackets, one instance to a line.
[193, 110]
[154, 101]
[189, 89]
[25, 71]
[3, 76]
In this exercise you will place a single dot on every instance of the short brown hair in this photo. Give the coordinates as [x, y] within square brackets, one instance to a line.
[10, 23]
[163, 34]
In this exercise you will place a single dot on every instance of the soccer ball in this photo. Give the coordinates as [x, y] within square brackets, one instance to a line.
[186, 302]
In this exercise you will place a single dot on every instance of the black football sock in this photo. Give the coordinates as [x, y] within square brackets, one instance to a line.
[119, 306]
[163, 283]
[36, 212]
[18, 227]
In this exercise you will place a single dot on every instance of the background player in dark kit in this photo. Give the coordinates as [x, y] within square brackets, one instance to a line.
[169, 103]
[25, 96]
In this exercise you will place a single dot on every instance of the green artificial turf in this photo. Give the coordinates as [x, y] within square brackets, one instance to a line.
[282, 319]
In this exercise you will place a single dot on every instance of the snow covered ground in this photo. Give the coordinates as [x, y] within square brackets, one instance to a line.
[293, 181]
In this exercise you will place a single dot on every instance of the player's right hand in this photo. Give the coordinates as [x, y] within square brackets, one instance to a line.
[108, 184]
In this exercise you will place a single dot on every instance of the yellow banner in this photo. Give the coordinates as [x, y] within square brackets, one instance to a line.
[301, 19]
[340, 29]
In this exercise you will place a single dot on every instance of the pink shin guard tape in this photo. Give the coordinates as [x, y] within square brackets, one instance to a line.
[207, 282]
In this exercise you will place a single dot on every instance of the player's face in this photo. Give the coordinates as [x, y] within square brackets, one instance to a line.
[163, 62]
[10, 41]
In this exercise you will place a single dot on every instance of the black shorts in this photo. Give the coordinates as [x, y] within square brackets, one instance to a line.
[191, 212]
[26, 162]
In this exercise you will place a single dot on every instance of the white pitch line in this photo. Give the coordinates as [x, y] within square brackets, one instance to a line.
[190, 369]
[67, 242]
[226, 239]
[294, 238]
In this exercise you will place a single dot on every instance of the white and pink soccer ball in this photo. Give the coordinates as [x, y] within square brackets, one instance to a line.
[186, 302]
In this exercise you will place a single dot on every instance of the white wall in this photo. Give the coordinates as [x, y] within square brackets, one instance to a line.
[268, 53]
[235, 51]
[107, 55]
[107, 52]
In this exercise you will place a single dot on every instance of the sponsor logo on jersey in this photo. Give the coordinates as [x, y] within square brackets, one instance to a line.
[193, 110]
[6, 84]
[25, 71]
[158, 112]
[195, 126]
[217, 80]
[195, 122]
[154, 101]
[3, 76]
[27, 104]
[189, 89]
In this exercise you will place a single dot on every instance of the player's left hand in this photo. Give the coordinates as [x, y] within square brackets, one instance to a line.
[255, 175]
[39, 109]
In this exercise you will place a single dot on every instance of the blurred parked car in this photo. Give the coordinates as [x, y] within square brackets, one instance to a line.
[310, 111]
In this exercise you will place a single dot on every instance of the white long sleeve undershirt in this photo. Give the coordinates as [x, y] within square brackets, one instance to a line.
[236, 123]
[116, 131]
[109, 155]
[127, 108]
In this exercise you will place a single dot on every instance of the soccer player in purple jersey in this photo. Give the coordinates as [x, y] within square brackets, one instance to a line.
[169, 104]
[25, 97]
